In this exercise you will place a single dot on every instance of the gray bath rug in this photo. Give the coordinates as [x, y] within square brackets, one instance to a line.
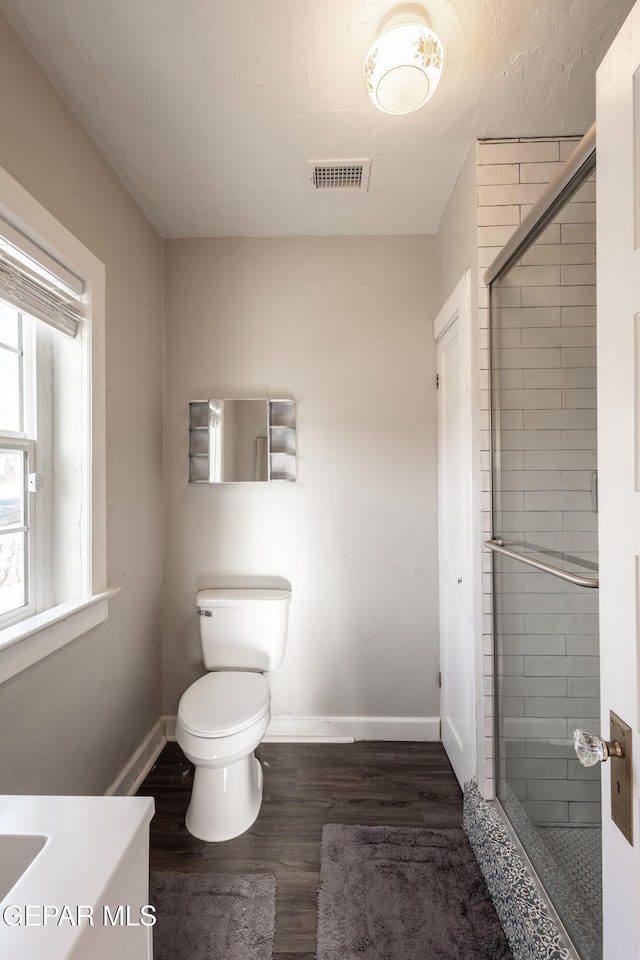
[404, 893]
[213, 916]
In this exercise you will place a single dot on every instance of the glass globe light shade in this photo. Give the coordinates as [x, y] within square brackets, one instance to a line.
[403, 68]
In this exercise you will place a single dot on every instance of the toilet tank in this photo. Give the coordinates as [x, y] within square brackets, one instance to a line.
[243, 629]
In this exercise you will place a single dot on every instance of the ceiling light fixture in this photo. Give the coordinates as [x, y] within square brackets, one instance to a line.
[402, 69]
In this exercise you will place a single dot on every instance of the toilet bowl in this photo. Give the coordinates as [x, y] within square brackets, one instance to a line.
[221, 720]
[224, 715]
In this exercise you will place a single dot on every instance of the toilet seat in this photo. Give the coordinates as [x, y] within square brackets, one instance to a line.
[225, 703]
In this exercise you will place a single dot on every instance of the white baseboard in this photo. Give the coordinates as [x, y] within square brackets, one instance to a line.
[348, 729]
[341, 729]
[140, 763]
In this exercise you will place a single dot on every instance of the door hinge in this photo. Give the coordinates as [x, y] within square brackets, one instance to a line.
[437, 381]
[440, 680]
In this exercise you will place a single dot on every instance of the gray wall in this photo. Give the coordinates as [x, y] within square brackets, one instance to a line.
[71, 722]
[343, 325]
[457, 236]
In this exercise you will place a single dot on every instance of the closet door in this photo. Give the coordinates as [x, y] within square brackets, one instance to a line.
[454, 504]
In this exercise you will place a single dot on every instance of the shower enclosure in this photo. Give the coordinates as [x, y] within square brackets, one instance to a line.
[545, 546]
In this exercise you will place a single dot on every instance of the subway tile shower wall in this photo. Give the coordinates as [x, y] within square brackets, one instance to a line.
[548, 437]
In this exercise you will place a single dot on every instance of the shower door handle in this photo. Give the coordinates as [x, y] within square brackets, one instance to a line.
[498, 546]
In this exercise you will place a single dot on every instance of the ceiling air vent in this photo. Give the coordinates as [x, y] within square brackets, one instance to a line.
[338, 176]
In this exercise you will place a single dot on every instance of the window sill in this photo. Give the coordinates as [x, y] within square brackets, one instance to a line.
[23, 644]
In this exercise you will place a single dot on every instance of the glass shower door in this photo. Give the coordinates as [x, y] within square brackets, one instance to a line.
[545, 510]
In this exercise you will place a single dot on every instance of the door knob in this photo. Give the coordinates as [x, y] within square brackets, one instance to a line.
[591, 748]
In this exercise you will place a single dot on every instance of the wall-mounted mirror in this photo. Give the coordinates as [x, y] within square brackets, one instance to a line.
[239, 441]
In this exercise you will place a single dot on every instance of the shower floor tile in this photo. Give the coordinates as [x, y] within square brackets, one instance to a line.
[568, 862]
[577, 854]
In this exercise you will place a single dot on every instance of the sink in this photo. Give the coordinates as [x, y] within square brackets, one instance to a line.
[71, 857]
[16, 853]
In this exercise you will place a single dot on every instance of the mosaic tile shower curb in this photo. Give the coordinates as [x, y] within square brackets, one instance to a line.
[530, 929]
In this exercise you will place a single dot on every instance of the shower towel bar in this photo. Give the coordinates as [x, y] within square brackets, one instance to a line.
[499, 547]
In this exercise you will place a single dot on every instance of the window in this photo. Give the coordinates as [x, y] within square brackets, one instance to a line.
[52, 449]
[17, 463]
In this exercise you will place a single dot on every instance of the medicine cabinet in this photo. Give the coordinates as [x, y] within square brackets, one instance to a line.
[241, 441]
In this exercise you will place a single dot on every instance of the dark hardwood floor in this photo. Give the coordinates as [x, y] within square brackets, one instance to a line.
[305, 786]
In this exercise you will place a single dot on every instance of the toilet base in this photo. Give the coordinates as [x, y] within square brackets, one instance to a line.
[225, 801]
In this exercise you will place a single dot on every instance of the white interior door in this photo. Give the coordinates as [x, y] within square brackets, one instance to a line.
[457, 710]
[618, 191]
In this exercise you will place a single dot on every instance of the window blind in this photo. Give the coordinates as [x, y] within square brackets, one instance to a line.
[32, 283]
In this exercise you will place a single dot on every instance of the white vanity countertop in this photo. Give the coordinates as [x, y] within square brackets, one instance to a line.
[87, 840]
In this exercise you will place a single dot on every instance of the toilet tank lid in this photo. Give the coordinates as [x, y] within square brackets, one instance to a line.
[239, 597]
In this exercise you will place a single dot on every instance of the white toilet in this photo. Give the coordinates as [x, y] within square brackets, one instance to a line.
[224, 715]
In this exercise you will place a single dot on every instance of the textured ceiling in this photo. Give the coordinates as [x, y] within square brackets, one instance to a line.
[209, 109]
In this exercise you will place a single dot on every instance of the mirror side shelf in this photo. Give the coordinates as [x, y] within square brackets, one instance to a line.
[282, 440]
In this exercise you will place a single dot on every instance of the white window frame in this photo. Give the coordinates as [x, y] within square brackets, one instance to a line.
[26, 447]
[24, 643]
[35, 424]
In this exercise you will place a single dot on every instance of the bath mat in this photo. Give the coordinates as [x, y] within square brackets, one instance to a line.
[213, 916]
[404, 893]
